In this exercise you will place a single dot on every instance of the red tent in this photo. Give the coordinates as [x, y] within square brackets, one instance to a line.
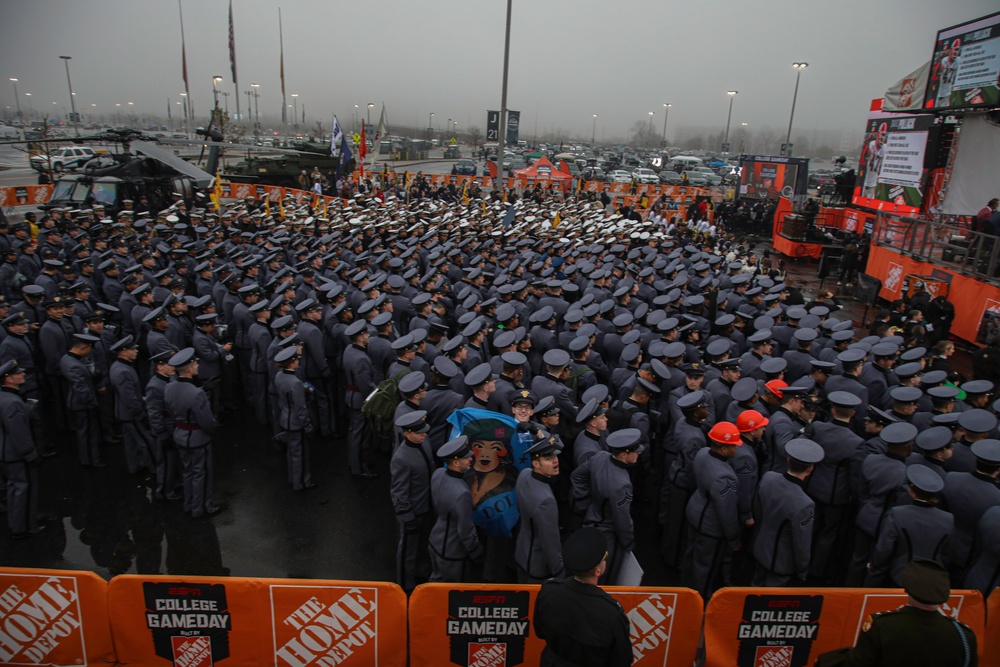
[542, 170]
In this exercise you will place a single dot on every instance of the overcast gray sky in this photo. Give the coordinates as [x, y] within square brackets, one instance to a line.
[569, 59]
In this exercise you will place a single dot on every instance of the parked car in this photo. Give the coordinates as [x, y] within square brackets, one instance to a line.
[65, 158]
[464, 167]
[695, 179]
[452, 152]
[620, 176]
[670, 177]
[710, 176]
[595, 174]
[643, 175]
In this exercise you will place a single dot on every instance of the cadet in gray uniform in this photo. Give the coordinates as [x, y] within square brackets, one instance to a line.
[453, 543]
[784, 515]
[602, 492]
[259, 338]
[712, 512]
[969, 495]
[360, 383]
[193, 428]
[130, 410]
[920, 530]
[161, 427]
[537, 551]
[81, 402]
[687, 439]
[984, 574]
[294, 419]
[593, 437]
[411, 467]
[19, 458]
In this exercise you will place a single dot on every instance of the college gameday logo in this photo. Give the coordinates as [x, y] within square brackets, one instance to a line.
[487, 628]
[651, 620]
[778, 630]
[324, 625]
[40, 621]
[190, 623]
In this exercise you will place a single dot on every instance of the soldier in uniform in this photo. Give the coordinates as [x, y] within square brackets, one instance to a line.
[784, 516]
[920, 530]
[81, 401]
[602, 492]
[712, 512]
[258, 339]
[161, 427]
[915, 635]
[537, 551]
[19, 457]
[441, 399]
[411, 467]
[130, 410]
[316, 370]
[358, 368]
[580, 623]
[552, 383]
[211, 356]
[453, 543]
[984, 574]
[969, 495]
[193, 428]
[593, 437]
[294, 418]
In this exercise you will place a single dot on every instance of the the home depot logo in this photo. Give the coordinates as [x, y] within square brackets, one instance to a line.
[192, 651]
[773, 656]
[324, 625]
[893, 277]
[40, 621]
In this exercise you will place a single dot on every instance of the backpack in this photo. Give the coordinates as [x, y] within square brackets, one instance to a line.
[380, 406]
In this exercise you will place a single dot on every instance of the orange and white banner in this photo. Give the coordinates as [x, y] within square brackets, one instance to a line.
[203, 621]
[53, 617]
[485, 625]
[755, 627]
[24, 195]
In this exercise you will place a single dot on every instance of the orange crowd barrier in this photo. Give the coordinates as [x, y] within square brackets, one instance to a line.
[24, 195]
[490, 625]
[198, 621]
[753, 627]
[53, 617]
[990, 644]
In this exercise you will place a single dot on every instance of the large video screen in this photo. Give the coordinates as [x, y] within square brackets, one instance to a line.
[965, 69]
[891, 174]
[769, 177]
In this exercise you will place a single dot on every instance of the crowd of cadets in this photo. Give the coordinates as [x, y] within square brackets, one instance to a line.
[774, 442]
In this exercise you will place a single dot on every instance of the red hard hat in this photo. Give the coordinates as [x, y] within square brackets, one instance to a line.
[725, 433]
[750, 420]
[775, 387]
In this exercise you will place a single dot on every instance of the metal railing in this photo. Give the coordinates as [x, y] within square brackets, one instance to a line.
[974, 254]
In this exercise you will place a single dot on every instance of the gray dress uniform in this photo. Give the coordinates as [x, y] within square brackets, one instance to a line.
[439, 403]
[546, 385]
[687, 440]
[883, 486]
[83, 409]
[295, 424]
[130, 412]
[21, 350]
[603, 490]
[411, 467]
[984, 574]
[784, 516]
[968, 495]
[920, 530]
[537, 551]
[713, 514]
[210, 358]
[781, 428]
[193, 428]
[19, 460]
[586, 445]
[360, 383]
[259, 338]
[160, 429]
[453, 541]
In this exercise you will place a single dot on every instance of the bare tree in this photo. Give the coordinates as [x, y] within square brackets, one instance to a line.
[642, 135]
[475, 135]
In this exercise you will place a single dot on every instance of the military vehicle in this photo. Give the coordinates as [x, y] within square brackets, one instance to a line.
[284, 168]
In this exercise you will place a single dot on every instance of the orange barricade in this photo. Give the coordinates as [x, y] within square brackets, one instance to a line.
[481, 624]
[990, 648]
[751, 627]
[53, 617]
[198, 621]
[971, 297]
[24, 195]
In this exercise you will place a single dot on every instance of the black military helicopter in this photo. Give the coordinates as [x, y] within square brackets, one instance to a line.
[139, 169]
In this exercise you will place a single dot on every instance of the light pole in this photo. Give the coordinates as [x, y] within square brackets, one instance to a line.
[215, 89]
[593, 131]
[225, 96]
[187, 126]
[651, 122]
[788, 137]
[743, 138]
[256, 110]
[118, 113]
[295, 111]
[72, 101]
[131, 113]
[430, 122]
[357, 112]
[17, 100]
[31, 111]
[666, 112]
[370, 105]
[732, 96]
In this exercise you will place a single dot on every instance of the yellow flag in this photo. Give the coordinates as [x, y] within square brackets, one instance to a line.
[484, 207]
[465, 194]
[281, 209]
[556, 220]
[218, 189]
[267, 206]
